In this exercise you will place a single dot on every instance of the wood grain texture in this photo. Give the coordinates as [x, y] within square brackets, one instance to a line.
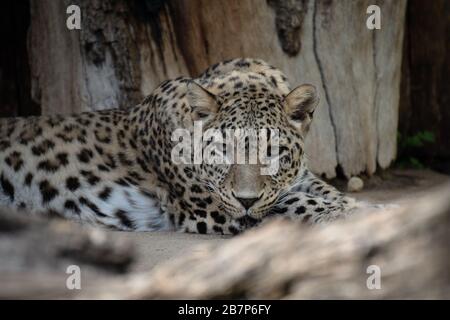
[55, 59]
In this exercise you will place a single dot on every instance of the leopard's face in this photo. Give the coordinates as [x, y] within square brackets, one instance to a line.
[254, 141]
[252, 189]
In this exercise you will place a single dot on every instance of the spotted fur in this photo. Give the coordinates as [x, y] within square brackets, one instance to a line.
[113, 168]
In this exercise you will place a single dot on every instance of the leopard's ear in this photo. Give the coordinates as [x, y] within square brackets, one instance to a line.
[203, 103]
[300, 104]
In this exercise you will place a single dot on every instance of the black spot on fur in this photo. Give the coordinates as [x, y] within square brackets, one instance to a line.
[148, 194]
[274, 81]
[291, 201]
[4, 144]
[72, 183]
[208, 200]
[91, 178]
[201, 227]
[43, 147]
[122, 215]
[179, 189]
[48, 192]
[312, 202]
[91, 206]
[62, 158]
[124, 160]
[143, 165]
[201, 213]
[279, 210]
[196, 189]
[47, 165]
[242, 63]
[300, 210]
[7, 187]
[105, 193]
[85, 155]
[233, 230]
[28, 179]
[14, 160]
[238, 85]
[188, 173]
[71, 205]
[199, 202]
[217, 217]
[102, 167]
[122, 182]
[99, 149]
[218, 229]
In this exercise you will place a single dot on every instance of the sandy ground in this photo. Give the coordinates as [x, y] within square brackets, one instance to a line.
[394, 186]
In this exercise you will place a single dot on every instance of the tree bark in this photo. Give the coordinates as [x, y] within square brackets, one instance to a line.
[125, 49]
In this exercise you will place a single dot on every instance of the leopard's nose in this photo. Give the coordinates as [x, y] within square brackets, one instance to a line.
[247, 202]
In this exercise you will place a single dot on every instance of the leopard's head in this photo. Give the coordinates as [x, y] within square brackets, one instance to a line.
[243, 180]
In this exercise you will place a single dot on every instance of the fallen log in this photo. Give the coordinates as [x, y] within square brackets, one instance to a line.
[35, 254]
[407, 245]
[283, 260]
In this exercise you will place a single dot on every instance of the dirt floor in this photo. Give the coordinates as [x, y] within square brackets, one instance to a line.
[393, 186]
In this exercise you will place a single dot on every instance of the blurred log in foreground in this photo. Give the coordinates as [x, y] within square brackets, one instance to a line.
[35, 255]
[288, 261]
[280, 260]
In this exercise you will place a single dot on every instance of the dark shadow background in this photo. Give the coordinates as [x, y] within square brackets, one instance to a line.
[425, 87]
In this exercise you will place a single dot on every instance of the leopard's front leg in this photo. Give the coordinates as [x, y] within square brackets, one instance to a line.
[312, 209]
[310, 184]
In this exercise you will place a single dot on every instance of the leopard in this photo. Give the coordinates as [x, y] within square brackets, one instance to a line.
[115, 168]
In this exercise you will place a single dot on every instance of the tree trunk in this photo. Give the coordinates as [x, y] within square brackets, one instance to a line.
[125, 49]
